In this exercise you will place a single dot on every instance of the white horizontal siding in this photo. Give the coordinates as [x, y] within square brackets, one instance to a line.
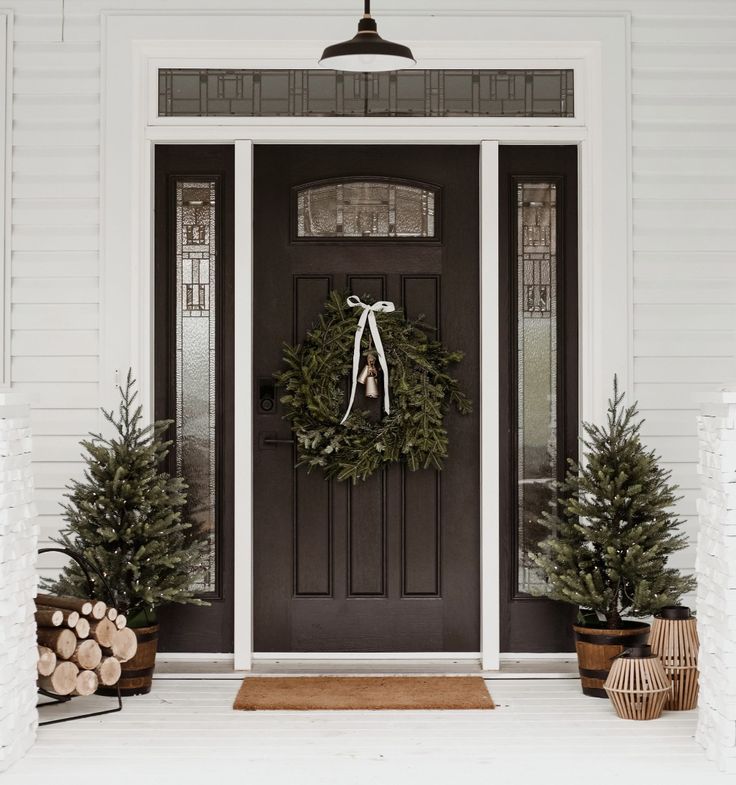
[71, 316]
[58, 369]
[49, 343]
[47, 422]
[684, 206]
[55, 264]
[55, 290]
[56, 474]
[58, 395]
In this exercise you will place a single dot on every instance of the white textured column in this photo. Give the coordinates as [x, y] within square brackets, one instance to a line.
[18, 544]
[716, 572]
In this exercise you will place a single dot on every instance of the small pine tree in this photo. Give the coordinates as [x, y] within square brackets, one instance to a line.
[611, 532]
[125, 518]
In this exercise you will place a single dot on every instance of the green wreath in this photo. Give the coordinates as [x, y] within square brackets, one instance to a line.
[420, 387]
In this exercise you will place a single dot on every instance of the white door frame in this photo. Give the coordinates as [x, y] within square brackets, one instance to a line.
[596, 47]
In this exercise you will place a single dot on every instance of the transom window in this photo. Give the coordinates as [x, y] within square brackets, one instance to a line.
[217, 92]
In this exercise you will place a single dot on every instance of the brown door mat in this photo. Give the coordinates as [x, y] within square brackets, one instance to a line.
[319, 693]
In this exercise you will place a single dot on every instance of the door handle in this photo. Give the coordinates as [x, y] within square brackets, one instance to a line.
[270, 441]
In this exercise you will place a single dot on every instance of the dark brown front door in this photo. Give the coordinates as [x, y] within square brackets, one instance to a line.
[390, 564]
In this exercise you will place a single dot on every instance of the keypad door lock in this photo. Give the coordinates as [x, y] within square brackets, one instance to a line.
[266, 395]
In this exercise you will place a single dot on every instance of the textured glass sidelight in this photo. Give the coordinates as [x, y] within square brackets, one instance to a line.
[365, 208]
[216, 92]
[536, 215]
[195, 355]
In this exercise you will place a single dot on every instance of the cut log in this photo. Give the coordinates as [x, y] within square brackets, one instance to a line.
[112, 613]
[59, 639]
[70, 617]
[87, 682]
[46, 661]
[108, 671]
[103, 632]
[70, 603]
[124, 644]
[87, 655]
[53, 617]
[99, 609]
[62, 681]
[82, 628]
[120, 621]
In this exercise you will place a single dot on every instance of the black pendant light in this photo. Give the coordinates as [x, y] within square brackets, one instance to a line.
[367, 51]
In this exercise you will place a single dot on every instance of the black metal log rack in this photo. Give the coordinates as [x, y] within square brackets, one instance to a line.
[87, 570]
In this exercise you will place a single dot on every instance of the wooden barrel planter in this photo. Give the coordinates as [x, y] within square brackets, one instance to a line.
[137, 673]
[596, 648]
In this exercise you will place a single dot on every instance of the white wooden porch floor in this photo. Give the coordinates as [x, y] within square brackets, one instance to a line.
[543, 731]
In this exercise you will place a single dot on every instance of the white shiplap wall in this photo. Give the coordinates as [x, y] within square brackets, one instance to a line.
[684, 214]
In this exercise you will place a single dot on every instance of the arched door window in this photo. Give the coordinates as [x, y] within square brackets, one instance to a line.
[366, 207]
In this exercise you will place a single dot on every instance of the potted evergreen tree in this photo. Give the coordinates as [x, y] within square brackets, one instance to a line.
[611, 533]
[125, 518]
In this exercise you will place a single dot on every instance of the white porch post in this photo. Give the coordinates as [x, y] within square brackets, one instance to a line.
[716, 572]
[18, 543]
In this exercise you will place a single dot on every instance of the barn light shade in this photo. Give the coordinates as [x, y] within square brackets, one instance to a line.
[367, 51]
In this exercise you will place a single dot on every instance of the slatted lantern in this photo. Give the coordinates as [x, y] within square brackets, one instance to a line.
[637, 684]
[674, 640]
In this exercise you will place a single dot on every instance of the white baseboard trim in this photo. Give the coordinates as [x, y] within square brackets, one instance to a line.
[443, 656]
[189, 656]
[462, 656]
[532, 655]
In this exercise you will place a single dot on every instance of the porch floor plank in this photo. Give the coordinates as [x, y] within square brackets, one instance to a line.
[185, 731]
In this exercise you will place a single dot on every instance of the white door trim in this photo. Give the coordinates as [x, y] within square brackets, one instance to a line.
[596, 46]
[490, 530]
[243, 397]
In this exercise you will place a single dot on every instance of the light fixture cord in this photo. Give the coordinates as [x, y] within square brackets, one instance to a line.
[367, 8]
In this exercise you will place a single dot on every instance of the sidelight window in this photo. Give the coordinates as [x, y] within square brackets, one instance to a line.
[196, 252]
[536, 331]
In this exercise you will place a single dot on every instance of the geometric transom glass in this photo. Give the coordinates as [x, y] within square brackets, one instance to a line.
[536, 222]
[196, 255]
[365, 208]
[224, 92]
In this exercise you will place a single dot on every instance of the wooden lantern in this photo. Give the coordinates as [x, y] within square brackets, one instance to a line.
[674, 640]
[637, 684]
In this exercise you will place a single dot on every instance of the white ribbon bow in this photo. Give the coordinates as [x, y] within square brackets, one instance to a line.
[369, 315]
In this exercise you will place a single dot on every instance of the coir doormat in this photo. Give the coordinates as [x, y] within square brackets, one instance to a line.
[319, 693]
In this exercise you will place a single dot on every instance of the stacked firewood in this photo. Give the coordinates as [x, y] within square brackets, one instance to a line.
[81, 644]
